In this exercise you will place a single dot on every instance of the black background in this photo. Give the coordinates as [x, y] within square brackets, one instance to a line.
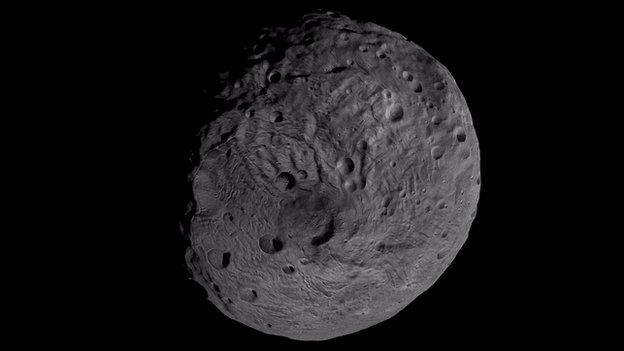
[498, 288]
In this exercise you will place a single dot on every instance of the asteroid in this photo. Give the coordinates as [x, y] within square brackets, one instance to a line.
[334, 184]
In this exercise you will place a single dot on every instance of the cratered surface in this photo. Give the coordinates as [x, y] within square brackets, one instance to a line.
[336, 182]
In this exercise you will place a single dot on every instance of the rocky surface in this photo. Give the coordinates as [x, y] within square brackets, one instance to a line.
[337, 181]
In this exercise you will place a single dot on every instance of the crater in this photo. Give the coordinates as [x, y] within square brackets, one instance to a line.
[349, 185]
[225, 259]
[345, 165]
[460, 134]
[248, 294]
[288, 269]
[443, 253]
[336, 69]
[437, 152]
[218, 259]
[394, 113]
[417, 87]
[327, 234]
[285, 181]
[276, 117]
[270, 244]
[274, 77]
[362, 145]
[436, 120]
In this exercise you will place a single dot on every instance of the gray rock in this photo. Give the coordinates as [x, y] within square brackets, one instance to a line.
[336, 184]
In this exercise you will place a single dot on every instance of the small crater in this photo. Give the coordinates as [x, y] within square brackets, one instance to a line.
[460, 134]
[216, 258]
[417, 87]
[394, 113]
[274, 77]
[389, 140]
[336, 69]
[270, 244]
[248, 294]
[349, 185]
[328, 233]
[437, 152]
[381, 247]
[302, 174]
[249, 113]
[225, 260]
[436, 120]
[381, 54]
[345, 165]
[276, 117]
[438, 85]
[227, 216]
[362, 145]
[407, 76]
[285, 181]
[387, 94]
[288, 269]
[216, 288]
